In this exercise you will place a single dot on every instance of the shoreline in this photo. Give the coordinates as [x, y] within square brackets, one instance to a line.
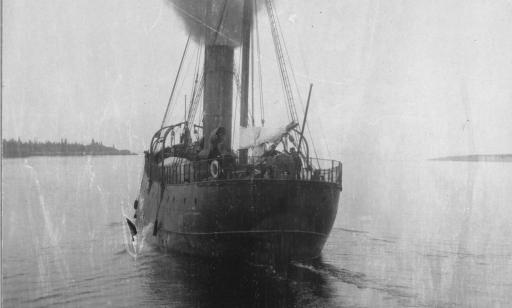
[69, 155]
[498, 158]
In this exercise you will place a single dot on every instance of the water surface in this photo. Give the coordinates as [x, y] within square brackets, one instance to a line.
[417, 234]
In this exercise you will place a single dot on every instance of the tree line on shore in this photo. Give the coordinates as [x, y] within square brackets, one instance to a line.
[19, 148]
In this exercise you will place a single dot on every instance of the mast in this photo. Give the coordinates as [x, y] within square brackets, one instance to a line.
[246, 52]
[305, 117]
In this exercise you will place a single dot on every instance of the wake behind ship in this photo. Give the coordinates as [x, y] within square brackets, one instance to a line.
[268, 200]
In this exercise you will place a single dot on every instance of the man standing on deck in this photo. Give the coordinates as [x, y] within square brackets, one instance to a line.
[297, 161]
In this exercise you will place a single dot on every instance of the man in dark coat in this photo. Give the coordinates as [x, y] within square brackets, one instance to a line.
[297, 161]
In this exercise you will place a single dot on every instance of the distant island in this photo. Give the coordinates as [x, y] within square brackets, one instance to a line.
[17, 148]
[477, 157]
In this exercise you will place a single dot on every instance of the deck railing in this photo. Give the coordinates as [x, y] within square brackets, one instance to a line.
[181, 171]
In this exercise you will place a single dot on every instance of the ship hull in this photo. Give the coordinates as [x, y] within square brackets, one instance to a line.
[259, 219]
[258, 246]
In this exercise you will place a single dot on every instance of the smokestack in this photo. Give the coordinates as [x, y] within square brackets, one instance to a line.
[218, 90]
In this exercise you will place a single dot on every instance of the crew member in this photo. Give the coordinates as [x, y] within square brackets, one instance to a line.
[217, 142]
[271, 152]
[214, 144]
[297, 161]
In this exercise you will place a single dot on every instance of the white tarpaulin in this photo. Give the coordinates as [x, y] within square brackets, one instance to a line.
[248, 136]
[254, 136]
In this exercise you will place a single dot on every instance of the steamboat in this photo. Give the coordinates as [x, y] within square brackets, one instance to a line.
[266, 199]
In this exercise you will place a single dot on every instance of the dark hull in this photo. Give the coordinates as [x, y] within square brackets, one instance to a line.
[257, 246]
[259, 219]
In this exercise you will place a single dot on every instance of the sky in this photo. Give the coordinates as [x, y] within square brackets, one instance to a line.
[392, 79]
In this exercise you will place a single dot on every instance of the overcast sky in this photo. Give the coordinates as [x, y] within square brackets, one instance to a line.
[392, 79]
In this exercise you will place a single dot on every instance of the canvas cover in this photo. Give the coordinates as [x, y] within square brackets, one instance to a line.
[254, 136]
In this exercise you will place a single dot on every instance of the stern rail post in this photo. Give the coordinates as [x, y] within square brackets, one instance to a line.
[341, 173]
[332, 171]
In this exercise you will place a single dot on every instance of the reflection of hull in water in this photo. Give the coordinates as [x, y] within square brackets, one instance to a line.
[262, 219]
[200, 282]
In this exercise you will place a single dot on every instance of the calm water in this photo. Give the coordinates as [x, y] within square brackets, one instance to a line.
[407, 234]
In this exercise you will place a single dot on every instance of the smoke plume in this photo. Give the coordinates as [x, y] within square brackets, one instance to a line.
[217, 21]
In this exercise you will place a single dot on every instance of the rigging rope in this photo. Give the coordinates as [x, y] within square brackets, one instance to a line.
[196, 102]
[252, 80]
[197, 90]
[196, 80]
[175, 81]
[260, 78]
[298, 92]
[281, 60]
[237, 71]
[278, 37]
[237, 99]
